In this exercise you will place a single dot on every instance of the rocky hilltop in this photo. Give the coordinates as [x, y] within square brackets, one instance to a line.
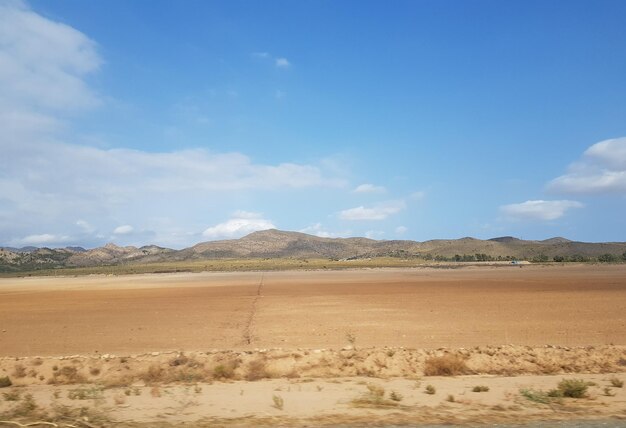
[283, 244]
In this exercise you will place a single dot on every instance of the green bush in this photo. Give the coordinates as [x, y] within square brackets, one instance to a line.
[5, 382]
[573, 388]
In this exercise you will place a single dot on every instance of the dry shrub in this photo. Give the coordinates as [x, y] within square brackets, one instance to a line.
[154, 374]
[5, 382]
[375, 397]
[187, 375]
[257, 370]
[66, 375]
[19, 371]
[447, 365]
[26, 408]
[117, 382]
[94, 371]
[180, 360]
[224, 371]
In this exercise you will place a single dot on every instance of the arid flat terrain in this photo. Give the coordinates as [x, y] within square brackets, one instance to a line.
[316, 348]
[417, 308]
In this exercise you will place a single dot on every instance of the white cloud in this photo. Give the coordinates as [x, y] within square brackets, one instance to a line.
[538, 210]
[401, 230]
[319, 230]
[43, 239]
[47, 183]
[85, 226]
[282, 63]
[279, 62]
[240, 225]
[123, 230]
[378, 212]
[602, 169]
[42, 62]
[369, 188]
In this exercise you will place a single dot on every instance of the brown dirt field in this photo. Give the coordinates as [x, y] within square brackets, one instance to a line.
[417, 308]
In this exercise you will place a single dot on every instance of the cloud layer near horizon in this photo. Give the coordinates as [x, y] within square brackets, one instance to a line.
[54, 191]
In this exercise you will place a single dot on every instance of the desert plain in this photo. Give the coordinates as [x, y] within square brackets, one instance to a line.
[352, 347]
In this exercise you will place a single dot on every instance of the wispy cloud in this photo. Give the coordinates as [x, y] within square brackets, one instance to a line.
[282, 63]
[241, 224]
[318, 229]
[377, 212]
[42, 240]
[401, 230]
[602, 169]
[123, 230]
[538, 210]
[369, 188]
[279, 61]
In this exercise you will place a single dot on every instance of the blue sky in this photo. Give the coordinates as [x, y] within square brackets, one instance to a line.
[179, 122]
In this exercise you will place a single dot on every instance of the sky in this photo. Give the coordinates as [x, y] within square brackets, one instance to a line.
[172, 123]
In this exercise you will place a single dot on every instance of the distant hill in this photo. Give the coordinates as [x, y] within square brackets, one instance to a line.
[282, 244]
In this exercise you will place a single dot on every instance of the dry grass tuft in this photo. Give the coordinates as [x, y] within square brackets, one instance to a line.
[257, 370]
[225, 371]
[154, 374]
[66, 375]
[19, 371]
[279, 403]
[375, 397]
[447, 365]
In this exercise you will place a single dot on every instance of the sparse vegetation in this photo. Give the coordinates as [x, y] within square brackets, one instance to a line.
[257, 370]
[19, 371]
[536, 396]
[480, 388]
[616, 383]
[573, 388]
[26, 408]
[396, 396]
[430, 390]
[224, 371]
[567, 388]
[375, 397]
[11, 395]
[66, 375]
[351, 338]
[450, 398]
[91, 393]
[5, 382]
[278, 402]
[447, 365]
[608, 392]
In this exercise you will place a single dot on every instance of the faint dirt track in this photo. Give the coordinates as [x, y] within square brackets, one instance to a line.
[418, 308]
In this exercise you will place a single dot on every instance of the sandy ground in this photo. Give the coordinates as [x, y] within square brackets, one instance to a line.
[349, 401]
[305, 348]
[420, 308]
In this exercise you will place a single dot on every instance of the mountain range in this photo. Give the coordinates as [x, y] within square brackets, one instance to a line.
[282, 244]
